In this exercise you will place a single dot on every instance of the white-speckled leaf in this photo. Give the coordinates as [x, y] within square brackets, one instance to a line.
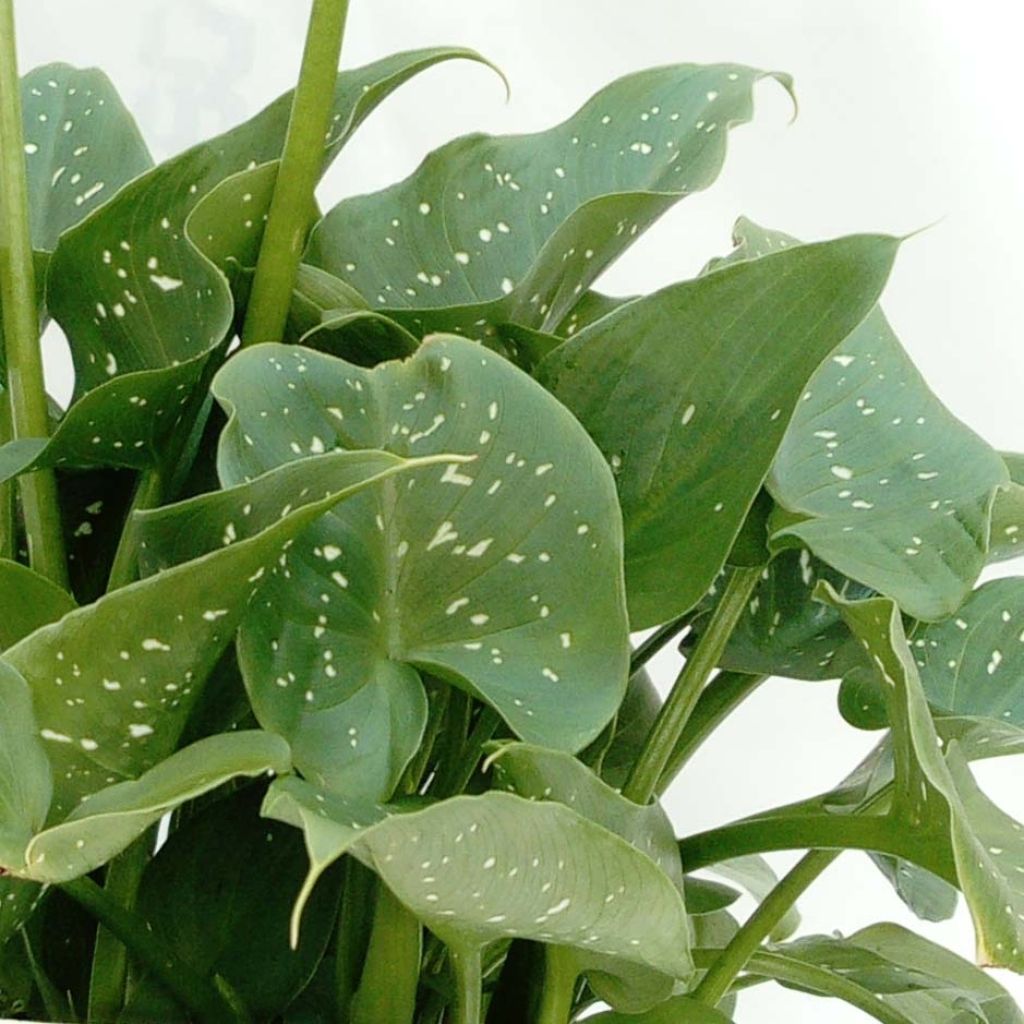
[938, 794]
[485, 868]
[26, 782]
[688, 393]
[1007, 538]
[27, 602]
[540, 774]
[876, 475]
[113, 682]
[514, 228]
[112, 818]
[503, 575]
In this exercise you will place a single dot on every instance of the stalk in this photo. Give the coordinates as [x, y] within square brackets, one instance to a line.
[675, 713]
[8, 540]
[354, 923]
[300, 167]
[559, 991]
[656, 641]
[715, 984]
[468, 985]
[27, 393]
[205, 1000]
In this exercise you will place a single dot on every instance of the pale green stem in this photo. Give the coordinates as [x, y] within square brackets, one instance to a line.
[558, 992]
[468, 985]
[29, 413]
[8, 538]
[675, 713]
[759, 926]
[299, 171]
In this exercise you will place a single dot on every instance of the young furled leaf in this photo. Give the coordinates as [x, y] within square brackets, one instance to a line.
[672, 386]
[113, 682]
[477, 870]
[111, 819]
[503, 575]
[875, 476]
[493, 229]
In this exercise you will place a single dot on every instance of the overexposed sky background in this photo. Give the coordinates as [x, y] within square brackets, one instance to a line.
[909, 114]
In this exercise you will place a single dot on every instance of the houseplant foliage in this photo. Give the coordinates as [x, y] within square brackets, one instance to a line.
[331, 565]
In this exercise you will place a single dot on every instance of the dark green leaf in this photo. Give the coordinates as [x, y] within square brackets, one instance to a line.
[495, 229]
[27, 601]
[503, 576]
[707, 369]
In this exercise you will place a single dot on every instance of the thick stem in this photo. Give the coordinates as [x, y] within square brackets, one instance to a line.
[354, 923]
[110, 957]
[301, 164]
[468, 985]
[196, 993]
[148, 494]
[675, 713]
[758, 927]
[720, 698]
[559, 988]
[29, 414]
[8, 537]
[391, 971]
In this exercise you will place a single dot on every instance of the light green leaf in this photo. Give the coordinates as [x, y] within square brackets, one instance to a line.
[540, 774]
[936, 795]
[1007, 535]
[755, 875]
[26, 783]
[482, 869]
[493, 229]
[27, 602]
[887, 967]
[503, 576]
[111, 819]
[114, 682]
[81, 146]
[707, 369]
[929, 897]
[875, 475]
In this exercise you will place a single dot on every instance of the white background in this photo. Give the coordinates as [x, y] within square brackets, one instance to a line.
[910, 113]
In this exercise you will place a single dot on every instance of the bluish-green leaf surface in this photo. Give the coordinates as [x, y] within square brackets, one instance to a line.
[688, 393]
[503, 575]
[514, 228]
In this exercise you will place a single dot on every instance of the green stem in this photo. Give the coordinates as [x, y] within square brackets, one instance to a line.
[674, 714]
[110, 957]
[29, 414]
[438, 695]
[354, 923]
[196, 993]
[826, 983]
[455, 779]
[656, 641]
[759, 926]
[468, 985]
[720, 698]
[8, 539]
[301, 164]
[391, 971]
[148, 494]
[54, 1003]
[559, 990]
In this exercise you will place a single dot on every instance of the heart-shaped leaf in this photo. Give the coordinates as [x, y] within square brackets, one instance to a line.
[707, 368]
[492, 229]
[111, 819]
[902, 508]
[540, 774]
[481, 869]
[937, 794]
[113, 682]
[887, 967]
[27, 602]
[503, 576]
[199, 901]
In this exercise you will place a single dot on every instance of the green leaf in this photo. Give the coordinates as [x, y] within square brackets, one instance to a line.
[81, 146]
[200, 902]
[937, 794]
[705, 896]
[755, 875]
[875, 475]
[111, 819]
[503, 576]
[540, 774]
[893, 968]
[1007, 531]
[27, 602]
[113, 682]
[630, 729]
[678, 1010]
[26, 783]
[493, 229]
[707, 369]
[931, 898]
[18, 899]
[487, 868]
